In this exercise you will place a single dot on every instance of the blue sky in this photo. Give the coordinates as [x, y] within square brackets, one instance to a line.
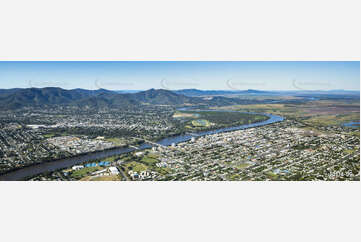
[268, 75]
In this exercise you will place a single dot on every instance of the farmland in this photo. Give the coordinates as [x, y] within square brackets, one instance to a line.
[320, 112]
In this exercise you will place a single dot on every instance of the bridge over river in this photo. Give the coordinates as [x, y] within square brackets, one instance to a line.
[33, 170]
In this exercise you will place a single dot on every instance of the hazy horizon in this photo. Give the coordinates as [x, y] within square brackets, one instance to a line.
[139, 90]
[176, 75]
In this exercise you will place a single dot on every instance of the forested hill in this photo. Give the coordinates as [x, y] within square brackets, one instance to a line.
[11, 99]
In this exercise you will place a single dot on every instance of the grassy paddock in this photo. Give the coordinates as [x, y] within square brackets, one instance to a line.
[321, 112]
[149, 160]
[219, 119]
[116, 141]
[136, 166]
[84, 172]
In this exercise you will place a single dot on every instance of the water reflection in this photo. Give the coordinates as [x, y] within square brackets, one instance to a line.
[36, 169]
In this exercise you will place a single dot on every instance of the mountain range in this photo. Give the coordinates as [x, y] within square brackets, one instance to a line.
[41, 97]
[11, 99]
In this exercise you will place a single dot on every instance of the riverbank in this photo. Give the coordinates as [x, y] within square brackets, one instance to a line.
[30, 171]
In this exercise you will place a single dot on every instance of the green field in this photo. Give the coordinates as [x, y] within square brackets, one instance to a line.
[84, 172]
[200, 120]
[201, 123]
[136, 166]
[105, 178]
[149, 160]
[314, 113]
[49, 135]
[185, 115]
[116, 141]
[333, 119]
[243, 165]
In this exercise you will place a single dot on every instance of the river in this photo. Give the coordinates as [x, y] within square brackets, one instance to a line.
[353, 124]
[39, 168]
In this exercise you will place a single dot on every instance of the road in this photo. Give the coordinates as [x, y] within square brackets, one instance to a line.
[123, 174]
